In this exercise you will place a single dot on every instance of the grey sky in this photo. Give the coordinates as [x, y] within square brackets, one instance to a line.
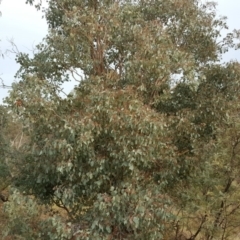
[23, 24]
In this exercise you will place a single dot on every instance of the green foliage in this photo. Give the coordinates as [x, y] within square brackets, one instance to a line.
[25, 219]
[4, 148]
[18, 211]
[148, 140]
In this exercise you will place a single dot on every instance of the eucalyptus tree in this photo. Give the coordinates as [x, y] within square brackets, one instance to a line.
[142, 147]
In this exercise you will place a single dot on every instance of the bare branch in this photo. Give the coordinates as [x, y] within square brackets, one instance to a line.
[3, 85]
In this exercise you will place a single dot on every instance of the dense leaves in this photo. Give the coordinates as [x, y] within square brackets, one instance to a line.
[4, 148]
[146, 144]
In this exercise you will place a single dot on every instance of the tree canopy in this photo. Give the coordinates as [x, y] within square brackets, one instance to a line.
[146, 145]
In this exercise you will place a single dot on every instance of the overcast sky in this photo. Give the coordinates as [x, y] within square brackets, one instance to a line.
[24, 25]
